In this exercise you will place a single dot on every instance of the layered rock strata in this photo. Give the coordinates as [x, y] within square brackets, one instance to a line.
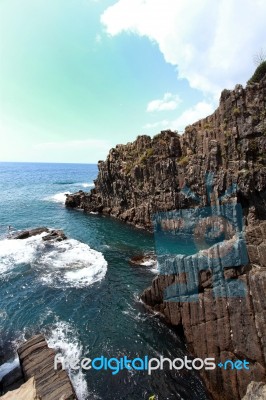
[37, 361]
[42, 380]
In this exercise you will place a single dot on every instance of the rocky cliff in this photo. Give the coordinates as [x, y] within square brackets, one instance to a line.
[140, 178]
[219, 160]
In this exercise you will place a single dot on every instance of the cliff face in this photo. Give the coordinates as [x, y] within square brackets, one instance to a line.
[221, 325]
[168, 172]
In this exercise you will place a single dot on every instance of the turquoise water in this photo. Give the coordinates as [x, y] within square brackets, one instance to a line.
[85, 302]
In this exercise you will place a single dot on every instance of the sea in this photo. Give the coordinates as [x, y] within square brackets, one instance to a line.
[82, 293]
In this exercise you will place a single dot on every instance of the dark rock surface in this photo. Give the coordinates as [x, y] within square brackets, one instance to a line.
[55, 235]
[29, 233]
[168, 172]
[12, 380]
[52, 234]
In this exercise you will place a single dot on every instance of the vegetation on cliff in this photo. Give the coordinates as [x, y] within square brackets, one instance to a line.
[259, 74]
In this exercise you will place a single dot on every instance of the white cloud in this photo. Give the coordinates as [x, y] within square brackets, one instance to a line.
[211, 42]
[193, 114]
[167, 103]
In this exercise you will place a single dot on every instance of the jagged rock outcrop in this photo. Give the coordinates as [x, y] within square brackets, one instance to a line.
[218, 160]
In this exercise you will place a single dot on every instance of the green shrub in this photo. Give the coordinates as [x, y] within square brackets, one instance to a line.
[259, 73]
[236, 112]
[207, 126]
[183, 161]
[149, 152]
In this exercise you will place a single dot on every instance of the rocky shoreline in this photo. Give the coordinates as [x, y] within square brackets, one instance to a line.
[36, 378]
[218, 160]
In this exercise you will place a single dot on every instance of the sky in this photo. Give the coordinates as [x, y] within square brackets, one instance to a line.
[78, 77]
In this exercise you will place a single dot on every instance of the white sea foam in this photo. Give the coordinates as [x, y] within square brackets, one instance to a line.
[57, 198]
[17, 252]
[155, 268]
[148, 263]
[63, 339]
[73, 264]
[85, 185]
[8, 366]
[69, 263]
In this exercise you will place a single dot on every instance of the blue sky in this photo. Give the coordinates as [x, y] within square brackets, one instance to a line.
[79, 76]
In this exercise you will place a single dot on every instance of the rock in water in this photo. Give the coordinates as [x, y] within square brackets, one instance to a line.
[52, 234]
[143, 260]
[29, 233]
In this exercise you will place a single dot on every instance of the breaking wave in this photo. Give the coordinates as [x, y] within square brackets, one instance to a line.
[85, 185]
[69, 263]
[63, 339]
[58, 197]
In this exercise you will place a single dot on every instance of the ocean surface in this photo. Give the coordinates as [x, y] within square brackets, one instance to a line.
[81, 293]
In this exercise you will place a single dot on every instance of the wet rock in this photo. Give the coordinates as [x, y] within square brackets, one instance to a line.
[143, 260]
[52, 234]
[55, 235]
[29, 233]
